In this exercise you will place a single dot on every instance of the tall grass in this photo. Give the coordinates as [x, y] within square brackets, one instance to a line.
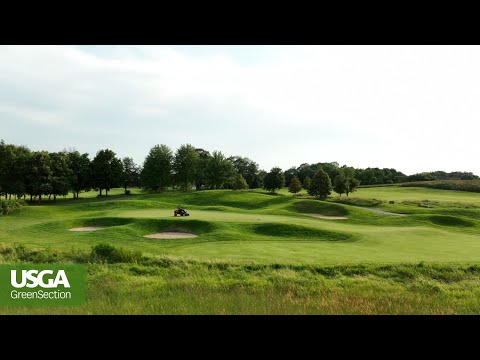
[460, 185]
[169, 285]
[9, 206]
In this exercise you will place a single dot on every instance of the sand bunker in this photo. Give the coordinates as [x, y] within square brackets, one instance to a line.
[383, 212]
[171, 235]
[87, 228]
[328, 217]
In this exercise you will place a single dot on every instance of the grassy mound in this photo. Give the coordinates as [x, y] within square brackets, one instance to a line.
[320, 207]
[296, 231]
[446, 220]
[166, 225]
[357, 201]
[101, 222]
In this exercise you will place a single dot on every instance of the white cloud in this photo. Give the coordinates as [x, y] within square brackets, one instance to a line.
[414, 108]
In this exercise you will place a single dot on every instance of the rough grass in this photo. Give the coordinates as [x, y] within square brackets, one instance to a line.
[460, 185]
[169, 285]
[320, 207]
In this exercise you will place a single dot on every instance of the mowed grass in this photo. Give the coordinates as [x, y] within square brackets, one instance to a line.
[257, 227]
[252, 230]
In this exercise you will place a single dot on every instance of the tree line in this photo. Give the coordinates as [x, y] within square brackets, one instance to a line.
[374, 176]
[40, 173]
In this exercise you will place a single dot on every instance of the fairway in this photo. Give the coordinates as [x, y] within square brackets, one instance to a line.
[256, 227]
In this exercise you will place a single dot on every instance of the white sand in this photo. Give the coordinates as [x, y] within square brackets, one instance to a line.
[171, 235]
[328, 217]
[87, 228]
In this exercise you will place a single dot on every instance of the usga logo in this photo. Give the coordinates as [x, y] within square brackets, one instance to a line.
[46, 279]
[34, 278]
[42, 284]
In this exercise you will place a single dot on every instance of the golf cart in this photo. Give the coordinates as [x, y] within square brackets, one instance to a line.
[180, 211]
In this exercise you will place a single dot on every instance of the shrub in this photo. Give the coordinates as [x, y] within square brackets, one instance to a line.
[8, 206]
[103, 251]
[126, 256]
[127, 192]
[357, 201]
[109, 253]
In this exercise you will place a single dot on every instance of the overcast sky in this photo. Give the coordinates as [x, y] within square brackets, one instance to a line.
[414, 108]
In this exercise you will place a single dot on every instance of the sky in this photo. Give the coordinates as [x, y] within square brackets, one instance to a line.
[413, 108]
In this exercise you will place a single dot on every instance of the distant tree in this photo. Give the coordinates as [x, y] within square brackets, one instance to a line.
[20, 172]
[303, 171]
[130, 173]
[340, 184]
[61, 174]
[218, 171]
[156, 174]
[306, 183]
[81, 175]
[353, 183]
[185, 166]
[38, 180]
[259, 180]
[200, 181]
[295, 185]
[240, 183]
[245, 167]
[251, 173]
[321, 185]
[347, 171]
[289, 174]
[13, 169]
[107, 171]
[332, 169]
[274, 180]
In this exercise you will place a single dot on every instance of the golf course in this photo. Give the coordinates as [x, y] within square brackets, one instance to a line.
[382, 250]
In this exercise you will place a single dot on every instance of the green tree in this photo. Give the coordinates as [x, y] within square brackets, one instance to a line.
[245, 167]
[38, 181]
[20, 172]
[240, 183]
[295, 185]
[156, 174]
[289, 174]
[340, 184]
[185, 166]
[200, 180]
[61, 174]
[80, 179]
[218, 171]
[259, 180]
[303, 171]
[130, 173]
[307, 182]
[321, 185]
[13, 169]
[353, 183]
[274, 180]
[107, 171]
